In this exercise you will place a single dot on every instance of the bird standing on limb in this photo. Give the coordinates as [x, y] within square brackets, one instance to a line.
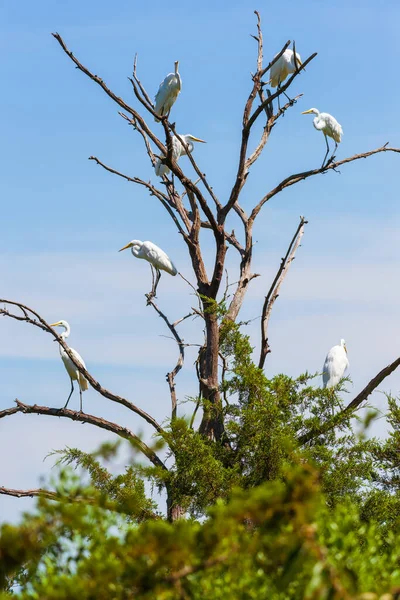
[167, 93]
[155, 256]
[330, 128]
[335, 364]
[73, 372]
[178, 150]
[286, 64]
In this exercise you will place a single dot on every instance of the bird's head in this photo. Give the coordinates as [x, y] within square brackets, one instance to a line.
[343, 344]
[135, 244]
[311, 111]
[192, 138]
[60, 324]
[189, 139]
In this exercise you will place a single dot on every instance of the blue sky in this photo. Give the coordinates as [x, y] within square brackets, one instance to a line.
[63, 218]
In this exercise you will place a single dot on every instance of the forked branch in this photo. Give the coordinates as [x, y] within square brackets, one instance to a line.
[295, 178]
[172, 374]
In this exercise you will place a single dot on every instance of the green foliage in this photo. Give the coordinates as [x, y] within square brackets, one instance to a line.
[278, 541]
[267, 516]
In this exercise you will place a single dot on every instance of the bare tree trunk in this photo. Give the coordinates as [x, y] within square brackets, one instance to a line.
[212, 423]
[174, 510]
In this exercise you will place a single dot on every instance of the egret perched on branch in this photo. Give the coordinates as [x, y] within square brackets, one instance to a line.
[168, 93]
[178, 150]
[72, 371]
[286, 64]
[155, 256]
[330, 128]
[335, 364]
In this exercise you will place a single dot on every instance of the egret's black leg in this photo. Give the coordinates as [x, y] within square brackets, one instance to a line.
[70, 394]
[279, 89]
[327, 151]
[152, 293]
[157, 280]
[333, 153]
[80, 394]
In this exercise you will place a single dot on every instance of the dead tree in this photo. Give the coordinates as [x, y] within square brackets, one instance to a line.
[209, 212]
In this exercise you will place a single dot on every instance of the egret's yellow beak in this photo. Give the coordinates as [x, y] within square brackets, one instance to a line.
[126, 247]
[54, 324]
[345, 348]
[307, 112]
[195, 139]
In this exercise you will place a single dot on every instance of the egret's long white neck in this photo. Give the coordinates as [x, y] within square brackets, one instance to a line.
[65, 333]
[135, 251]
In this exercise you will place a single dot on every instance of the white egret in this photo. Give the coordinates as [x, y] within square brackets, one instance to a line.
[335, 364]
[168, 93]
[155, 256]
[178, 150]
[330, 128]
[71, 369]
[284, 66]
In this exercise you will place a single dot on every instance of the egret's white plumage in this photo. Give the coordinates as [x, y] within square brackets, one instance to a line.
[284, 66]
[335, 365]
[168, 93]
[71, 369]
[328, 125]
[155, 256]
[178, 150]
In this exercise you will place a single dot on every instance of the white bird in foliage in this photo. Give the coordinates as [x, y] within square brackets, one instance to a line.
[330, 128]
[335, 364]
[178, 150]
[71, 369]
[168, 93]
[284, 66]
[155, 256]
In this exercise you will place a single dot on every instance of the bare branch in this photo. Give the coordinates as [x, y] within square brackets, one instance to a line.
[39, 322]
[172, 374]
[165, 201]
[29, 493]
[133, 122]
[292, 179]
[142, 89]
[59, 497]
[267, 130]
[92, 420]
[196, 168]
[110, 93]
[259, 42]
[275, 287]
[352, 406]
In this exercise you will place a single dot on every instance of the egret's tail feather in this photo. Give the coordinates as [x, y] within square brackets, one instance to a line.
[83, 382]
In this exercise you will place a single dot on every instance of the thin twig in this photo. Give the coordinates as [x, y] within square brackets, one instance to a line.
[275, 287]
[172, 374]
[165, 201]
